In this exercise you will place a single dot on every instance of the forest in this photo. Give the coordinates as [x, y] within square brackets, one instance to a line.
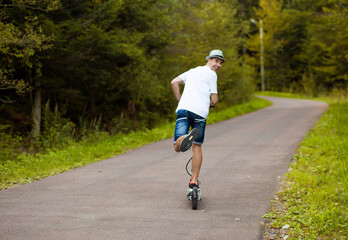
[70, 68]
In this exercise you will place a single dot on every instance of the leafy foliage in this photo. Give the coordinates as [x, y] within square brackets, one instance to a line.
[113, 60]
[21, 42]
[303, 44]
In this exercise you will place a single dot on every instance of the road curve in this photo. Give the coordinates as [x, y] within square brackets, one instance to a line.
[142, 194]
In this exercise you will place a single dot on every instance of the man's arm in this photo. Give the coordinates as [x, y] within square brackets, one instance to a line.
[213, 99]
[176, 88]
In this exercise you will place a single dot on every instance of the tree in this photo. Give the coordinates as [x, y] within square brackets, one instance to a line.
[279, 46]
[207, 25]
[91, 57]
[303, 43]
[113, 60]
[109, 52]
[326, 61]
[21, 43]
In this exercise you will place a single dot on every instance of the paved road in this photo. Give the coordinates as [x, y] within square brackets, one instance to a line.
[142, 194]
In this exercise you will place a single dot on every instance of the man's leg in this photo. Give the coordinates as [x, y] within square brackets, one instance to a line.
[182, 127]
[178, 142]
[196, 162]
[184, 142]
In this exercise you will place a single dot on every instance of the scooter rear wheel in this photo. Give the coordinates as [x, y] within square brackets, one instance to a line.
[194, 198]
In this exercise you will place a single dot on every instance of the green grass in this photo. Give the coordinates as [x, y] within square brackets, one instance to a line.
[282, 94]
[313, 202]
[27, 168]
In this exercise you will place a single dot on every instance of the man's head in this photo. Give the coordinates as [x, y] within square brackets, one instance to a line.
[215, 60]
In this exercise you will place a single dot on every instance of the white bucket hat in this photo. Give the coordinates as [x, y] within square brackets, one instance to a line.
[216, 54]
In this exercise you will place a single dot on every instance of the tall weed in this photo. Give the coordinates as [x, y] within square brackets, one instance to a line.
[57, 131]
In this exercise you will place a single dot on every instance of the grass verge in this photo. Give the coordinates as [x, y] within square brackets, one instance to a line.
[27, 168]
[313, 202]
[282, 94]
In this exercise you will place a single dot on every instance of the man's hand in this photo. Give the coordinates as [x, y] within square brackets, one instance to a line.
[213, 99]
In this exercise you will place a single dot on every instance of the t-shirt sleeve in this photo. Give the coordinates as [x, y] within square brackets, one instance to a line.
[183, 76]
[213, 84]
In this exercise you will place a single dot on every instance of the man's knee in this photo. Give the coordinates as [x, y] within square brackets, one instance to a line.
[197, 147]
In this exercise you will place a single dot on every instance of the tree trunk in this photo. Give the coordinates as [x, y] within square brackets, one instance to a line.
[37, 109]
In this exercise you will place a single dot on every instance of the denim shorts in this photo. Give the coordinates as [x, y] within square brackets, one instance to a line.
[186, 119]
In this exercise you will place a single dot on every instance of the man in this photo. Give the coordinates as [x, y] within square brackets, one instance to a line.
[200, 93]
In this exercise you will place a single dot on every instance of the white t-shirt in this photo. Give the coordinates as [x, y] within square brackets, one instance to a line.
[200, 82]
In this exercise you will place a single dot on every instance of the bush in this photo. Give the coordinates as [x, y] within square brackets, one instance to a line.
[10, 145]
[57, 131]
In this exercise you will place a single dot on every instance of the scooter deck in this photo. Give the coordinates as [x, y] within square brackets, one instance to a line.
[189, 194]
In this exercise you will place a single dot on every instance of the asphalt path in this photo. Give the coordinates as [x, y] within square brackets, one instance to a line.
[142, 194]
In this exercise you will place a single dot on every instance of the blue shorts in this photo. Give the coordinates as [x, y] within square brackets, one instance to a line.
[186, 119]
